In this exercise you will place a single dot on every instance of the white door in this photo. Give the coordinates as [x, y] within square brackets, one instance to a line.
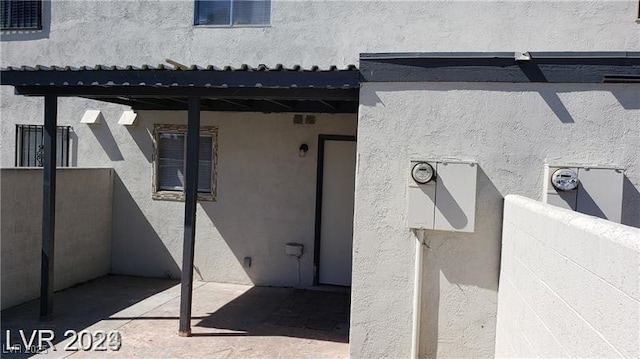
[336, 228]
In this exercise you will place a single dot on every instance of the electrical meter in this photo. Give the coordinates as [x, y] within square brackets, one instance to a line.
[422, 172]
[564, 179]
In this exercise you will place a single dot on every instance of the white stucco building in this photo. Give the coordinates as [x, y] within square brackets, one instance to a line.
[509, 86]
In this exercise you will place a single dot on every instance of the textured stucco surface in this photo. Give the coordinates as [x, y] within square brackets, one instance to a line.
[460, 270]
[318, 32]
[511, 130]
[569, 284]
[265, 199]
[83, 229]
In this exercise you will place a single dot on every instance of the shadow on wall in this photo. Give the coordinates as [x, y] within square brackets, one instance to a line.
[624, 93]
[143, 139]
[104, 136]
[630, 203]
[444, 254]
[555, 104]
[475, 249]
[242, 229]
[132, 235]
[73, 144]
[29, 35]
[626, 96]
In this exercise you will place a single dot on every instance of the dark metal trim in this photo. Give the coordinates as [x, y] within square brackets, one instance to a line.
[337, 94]
[48, 206]
[551, 67]
[191, 199]
[318, 213]
[18, 145]
[622, 78]
[502, 54]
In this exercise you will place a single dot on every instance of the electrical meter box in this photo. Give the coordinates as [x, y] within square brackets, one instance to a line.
[441, 195]
[592, 190]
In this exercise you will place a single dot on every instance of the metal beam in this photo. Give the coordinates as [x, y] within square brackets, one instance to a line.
[280, 104]
[581, 67]
[256, 106]
[235, 103]
[147, 101]
[191, 198]
[327, 104]
[48, 205]
[135, 92]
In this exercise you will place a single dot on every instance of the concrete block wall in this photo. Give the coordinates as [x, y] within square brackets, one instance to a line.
[569, 284]
[83, 229]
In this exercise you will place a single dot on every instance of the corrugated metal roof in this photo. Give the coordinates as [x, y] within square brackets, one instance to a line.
[164, 87]
[163, 67]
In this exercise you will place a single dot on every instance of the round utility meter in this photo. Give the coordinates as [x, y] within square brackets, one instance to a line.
[422, 172]
[564, 179]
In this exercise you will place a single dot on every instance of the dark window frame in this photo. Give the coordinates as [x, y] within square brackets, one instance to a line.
[36, 150]
[179, 195]
[18, 8]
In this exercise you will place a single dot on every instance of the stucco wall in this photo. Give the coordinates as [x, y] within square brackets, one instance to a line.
[569, 284]
[511, 130]
[265, 199]
[317, 32]
[83, 229]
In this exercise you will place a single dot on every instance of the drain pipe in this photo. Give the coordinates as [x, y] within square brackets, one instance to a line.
[417, 294]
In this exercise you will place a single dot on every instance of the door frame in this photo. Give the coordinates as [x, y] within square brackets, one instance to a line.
[319, 183]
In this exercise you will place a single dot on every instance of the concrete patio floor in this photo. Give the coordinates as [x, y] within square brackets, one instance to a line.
[228, 320]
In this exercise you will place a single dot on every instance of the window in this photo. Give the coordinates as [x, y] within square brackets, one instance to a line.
[30, 146]
[232, 12]
[21, 14]
[170, 149]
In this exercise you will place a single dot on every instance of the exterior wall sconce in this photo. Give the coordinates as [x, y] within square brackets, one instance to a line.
[91, 117]
[304, 148]
[128, 118]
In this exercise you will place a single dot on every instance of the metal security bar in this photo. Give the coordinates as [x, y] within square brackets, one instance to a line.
[30, 146]
[21, 14]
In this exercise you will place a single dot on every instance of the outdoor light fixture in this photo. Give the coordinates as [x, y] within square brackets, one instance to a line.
[91, 117]
[304, 148]
[128, 118]
[564, 179]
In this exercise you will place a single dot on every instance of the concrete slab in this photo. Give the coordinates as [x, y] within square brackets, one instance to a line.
[227, 320]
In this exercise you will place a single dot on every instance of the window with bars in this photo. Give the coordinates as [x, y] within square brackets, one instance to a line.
[170, 166]
[21, 14]
[232, 12]
[30, 146]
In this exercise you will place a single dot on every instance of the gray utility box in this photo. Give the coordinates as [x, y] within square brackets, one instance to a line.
[447, 201]
[599, 191]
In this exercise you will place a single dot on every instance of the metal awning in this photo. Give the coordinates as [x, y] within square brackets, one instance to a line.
[242, 89]
[194, 89]
[509, 67]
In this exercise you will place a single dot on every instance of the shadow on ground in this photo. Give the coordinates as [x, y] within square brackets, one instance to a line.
[262, 311]
[78, 307]
[224, 315]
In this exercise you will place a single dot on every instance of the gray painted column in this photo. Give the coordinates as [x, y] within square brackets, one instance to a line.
[191, 198]
[48, 205]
